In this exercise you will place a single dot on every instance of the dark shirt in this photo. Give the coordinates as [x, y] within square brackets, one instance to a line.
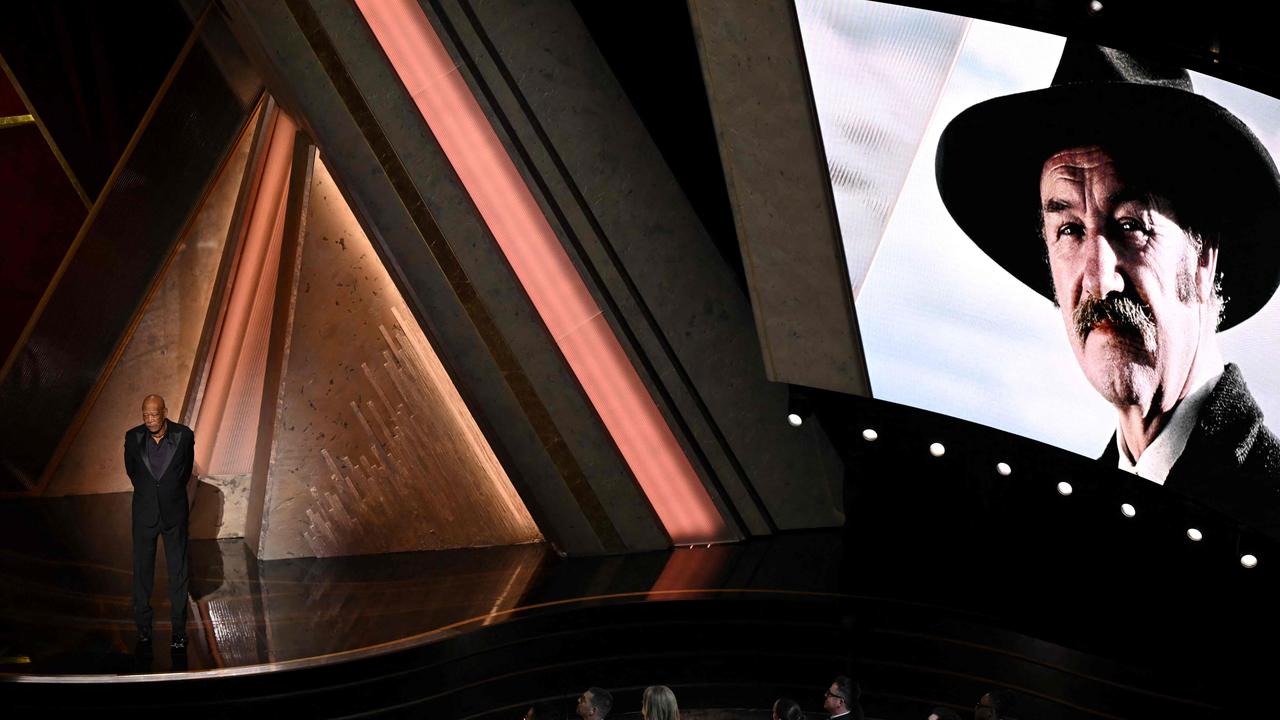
[160, 454]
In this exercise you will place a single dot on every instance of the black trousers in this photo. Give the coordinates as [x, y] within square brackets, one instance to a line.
[144, 572]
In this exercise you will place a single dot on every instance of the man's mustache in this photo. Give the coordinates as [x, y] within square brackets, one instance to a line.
[1126, 314]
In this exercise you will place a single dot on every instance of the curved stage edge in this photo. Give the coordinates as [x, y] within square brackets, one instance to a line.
[715, 648]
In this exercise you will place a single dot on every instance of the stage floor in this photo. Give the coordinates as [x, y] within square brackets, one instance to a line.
[65, 579]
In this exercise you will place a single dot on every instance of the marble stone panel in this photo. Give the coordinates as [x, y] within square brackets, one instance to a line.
[373, 449]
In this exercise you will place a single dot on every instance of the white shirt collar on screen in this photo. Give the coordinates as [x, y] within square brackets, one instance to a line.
[1164, 451]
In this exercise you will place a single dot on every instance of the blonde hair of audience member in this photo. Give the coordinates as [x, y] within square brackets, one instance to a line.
[659, 703]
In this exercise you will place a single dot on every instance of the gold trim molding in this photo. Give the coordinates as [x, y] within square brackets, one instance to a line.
[11, 121]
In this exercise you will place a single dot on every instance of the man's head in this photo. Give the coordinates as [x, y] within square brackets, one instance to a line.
[991, 706]
[594, 704]
[786, 709]
[841, 696]
[1177, 159]
[1133, 278]
[153, 413]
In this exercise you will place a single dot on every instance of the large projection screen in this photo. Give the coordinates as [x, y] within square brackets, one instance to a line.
[949, 329]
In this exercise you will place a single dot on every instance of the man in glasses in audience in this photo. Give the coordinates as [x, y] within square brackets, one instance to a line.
[841, 700]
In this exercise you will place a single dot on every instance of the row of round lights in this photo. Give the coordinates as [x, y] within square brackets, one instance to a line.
[937, 449]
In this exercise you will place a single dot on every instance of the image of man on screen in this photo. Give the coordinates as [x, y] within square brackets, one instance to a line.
[1156, 214]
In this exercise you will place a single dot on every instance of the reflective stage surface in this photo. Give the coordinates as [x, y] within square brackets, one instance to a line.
[484, 633]
[65, 579]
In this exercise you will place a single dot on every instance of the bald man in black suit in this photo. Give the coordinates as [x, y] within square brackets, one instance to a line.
[159, 456]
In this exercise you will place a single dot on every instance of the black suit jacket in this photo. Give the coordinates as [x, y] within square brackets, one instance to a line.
[1232, 461]
[159, 499]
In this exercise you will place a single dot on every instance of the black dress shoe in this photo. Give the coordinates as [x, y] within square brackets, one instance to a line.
[179, 643]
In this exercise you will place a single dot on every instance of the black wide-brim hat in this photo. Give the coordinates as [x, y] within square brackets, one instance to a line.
[991, 155]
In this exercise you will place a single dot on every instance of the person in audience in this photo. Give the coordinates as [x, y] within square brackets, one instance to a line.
[841, 699]
[940, 713]
[992, 706]
[786, 709]
[659, 703]
[594, 704]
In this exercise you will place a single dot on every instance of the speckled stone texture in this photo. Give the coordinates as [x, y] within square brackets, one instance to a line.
[373, 450]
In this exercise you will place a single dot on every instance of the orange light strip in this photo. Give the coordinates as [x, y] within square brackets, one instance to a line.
[544, 269]
[262, 222]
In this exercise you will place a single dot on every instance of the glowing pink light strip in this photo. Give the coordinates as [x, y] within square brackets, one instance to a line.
[264, 220]
[546, 272]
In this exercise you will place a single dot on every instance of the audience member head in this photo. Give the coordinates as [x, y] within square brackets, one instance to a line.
[786, 709]
[595, 704]
[659, 703]
[842, 698]
[940, 713]
[991, 706]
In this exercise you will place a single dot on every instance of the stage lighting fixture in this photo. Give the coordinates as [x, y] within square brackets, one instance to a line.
[1194, 535]
[870, 435]
[1095, 6]
[1003, 468]
[937, 450]
[1128, 510]
[799, 405]
[1248, 561]
[1064, 488]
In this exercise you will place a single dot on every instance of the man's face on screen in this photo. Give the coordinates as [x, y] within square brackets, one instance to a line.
[1132, 285]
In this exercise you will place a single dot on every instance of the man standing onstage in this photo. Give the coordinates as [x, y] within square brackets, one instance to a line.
[158, 456]
[1158, 214]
